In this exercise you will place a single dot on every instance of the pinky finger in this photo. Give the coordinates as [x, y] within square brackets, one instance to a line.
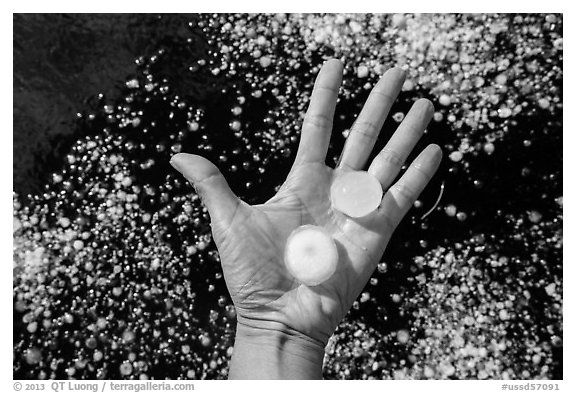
[401, 196]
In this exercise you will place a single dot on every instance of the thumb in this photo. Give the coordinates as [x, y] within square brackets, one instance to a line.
[210, 185]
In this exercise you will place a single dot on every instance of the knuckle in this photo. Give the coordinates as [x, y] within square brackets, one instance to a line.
[387, 219]
[328, 89]
[409, 128]
[391, 157]
[422, 169]
[202, 183]
[405, 191]
[365, 128]
[318, 120]
[383, 95]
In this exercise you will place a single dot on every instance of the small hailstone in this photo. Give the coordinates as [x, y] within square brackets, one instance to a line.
[33, 356]
[320, 37]
[362, 72]
[235, 125]
[16, 225]
[450, 210]
[501, 79]
[265, 61]
[402, 336]
[78, 244]
[128, 336]
[558, 43]
[504, 112]
[489, 148]
[132, 84]
[550, 289]
[64, 222]
[355, 27]
[543, 103]
[126, 368]
[68, 318]
[398, 117]
[534, 216]
[408, 85]
[205, 341]
[398, 20]
[456, 156]
[445, 100]
[32, 327]
[193, 126]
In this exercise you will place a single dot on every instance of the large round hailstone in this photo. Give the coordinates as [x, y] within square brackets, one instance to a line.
[356, 193]
[311, 255]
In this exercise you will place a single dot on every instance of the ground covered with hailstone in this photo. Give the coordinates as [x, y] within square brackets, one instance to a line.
[115, 272]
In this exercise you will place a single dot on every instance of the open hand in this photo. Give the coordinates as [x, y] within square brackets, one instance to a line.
[251, 239]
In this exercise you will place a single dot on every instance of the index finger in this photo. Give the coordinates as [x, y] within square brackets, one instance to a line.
[317, 125]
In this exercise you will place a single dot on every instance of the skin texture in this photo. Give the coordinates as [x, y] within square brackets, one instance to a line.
[282, 323]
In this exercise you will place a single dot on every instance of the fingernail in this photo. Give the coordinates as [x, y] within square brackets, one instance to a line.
[437, 152]
[176, 163]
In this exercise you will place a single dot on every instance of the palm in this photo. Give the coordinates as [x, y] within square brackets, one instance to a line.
[251, 239]
[258, 281]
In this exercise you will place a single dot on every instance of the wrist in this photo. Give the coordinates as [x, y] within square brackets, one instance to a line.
[272, 350]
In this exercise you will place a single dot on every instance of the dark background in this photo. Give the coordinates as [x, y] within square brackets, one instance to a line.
[59, 61]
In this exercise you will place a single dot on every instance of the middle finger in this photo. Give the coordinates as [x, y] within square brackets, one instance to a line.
[366, 128]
